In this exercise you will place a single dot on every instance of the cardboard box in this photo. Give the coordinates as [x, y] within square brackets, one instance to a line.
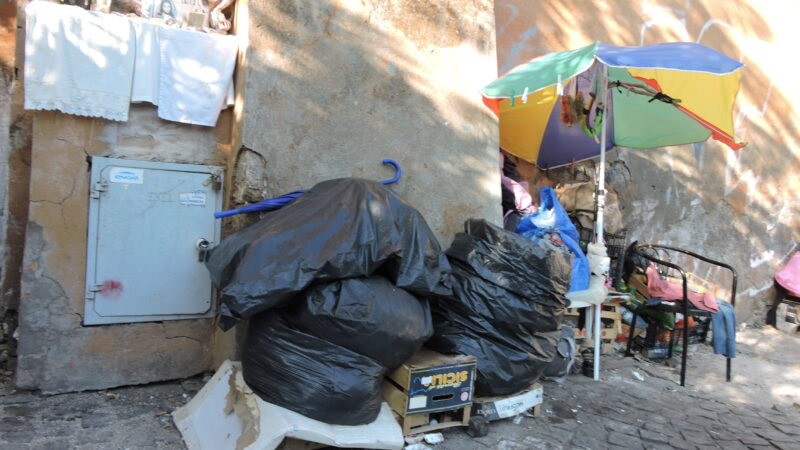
[430, 382]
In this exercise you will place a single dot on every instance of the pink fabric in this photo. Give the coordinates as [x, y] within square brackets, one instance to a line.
[667, 290]
[522, 198]
[789, 275]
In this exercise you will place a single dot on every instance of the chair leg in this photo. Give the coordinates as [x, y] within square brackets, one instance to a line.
[685, 346]
[671, 342]
[728, 370]
[630, 335]
[780, 294]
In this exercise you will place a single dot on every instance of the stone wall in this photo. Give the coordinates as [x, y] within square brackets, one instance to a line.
[740, 207]
[334, 87]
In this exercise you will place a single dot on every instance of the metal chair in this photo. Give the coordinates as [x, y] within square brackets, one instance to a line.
[685, 307]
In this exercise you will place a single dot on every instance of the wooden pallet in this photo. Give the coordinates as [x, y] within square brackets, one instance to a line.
[611, 317]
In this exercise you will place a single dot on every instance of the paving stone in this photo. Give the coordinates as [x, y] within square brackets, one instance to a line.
[53, 445]
[755, 422]
[97, 420]
[786, 445]
[15, 424]
[695, 411]
[681, 444]
[657, 427]
[696, 437]
[731, 445]
[751, 440]
[134, 411]
[58, 429]
[19, 436]
[652, 437]
[680, 425]
[774, 435]
[587, 442]
[624, 440]
[776, 418]
[21, 410]
[702, 421]
[14, 446]
[792, 430]
[729, 418]
[613, 425]
[651, 446]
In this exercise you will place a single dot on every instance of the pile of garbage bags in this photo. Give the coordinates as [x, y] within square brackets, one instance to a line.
[348, 281]
[506, 308]
[335, 286]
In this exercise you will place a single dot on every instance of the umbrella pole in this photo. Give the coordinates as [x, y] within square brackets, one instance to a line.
[601, 202]
[601, 178]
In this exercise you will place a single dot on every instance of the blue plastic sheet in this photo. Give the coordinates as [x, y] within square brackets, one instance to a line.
[552, 218]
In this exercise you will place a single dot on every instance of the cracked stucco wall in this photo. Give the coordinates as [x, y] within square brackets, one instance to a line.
[56, 353]
[334, 87]
[740, 207]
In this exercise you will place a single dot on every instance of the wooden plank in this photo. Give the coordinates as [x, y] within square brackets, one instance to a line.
[411, 424]
[401, 376]
[396, 398]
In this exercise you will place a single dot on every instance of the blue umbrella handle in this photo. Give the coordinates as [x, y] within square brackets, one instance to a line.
[278, 202]
[398, 172]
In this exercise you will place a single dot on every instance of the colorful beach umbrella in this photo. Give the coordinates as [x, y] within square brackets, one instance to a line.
[551, 108]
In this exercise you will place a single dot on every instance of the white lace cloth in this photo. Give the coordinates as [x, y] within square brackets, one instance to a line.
[195, 75]
[77, 61]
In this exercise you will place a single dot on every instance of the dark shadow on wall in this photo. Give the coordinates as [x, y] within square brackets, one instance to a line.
[331, 92]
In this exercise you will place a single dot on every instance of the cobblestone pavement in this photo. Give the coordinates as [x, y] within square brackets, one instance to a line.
[636, 405]
[622, 411]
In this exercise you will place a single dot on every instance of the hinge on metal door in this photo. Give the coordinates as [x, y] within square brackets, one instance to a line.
[98, 188]
[90, 292]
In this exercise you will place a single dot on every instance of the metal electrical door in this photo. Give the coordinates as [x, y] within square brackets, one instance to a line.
[147, 221]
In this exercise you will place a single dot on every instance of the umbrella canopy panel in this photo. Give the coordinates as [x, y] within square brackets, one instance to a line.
[662, 94]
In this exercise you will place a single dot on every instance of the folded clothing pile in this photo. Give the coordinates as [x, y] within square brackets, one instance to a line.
[331, 284]
[506, 308]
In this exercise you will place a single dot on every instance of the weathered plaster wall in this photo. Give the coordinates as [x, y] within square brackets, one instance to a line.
[56, 353]
[744, 207]
[334, 87]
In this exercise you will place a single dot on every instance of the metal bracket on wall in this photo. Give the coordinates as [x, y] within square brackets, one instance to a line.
[98, 188]
[90, 292]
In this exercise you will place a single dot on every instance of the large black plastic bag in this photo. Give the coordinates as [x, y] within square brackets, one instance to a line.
[369, 316]
[339, 229]
[309, 375]
[506, 308]
[533, 270]
[506, 364]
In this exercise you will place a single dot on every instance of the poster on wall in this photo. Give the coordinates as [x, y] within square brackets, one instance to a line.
[177, 12]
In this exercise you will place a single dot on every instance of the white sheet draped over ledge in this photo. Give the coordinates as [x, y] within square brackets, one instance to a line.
[95, 64]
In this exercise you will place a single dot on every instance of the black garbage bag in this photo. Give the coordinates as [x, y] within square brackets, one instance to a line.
[309, 375]
[533, 270]
[506, 364]
[369, 316]
[507, 305]
[339, 229]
